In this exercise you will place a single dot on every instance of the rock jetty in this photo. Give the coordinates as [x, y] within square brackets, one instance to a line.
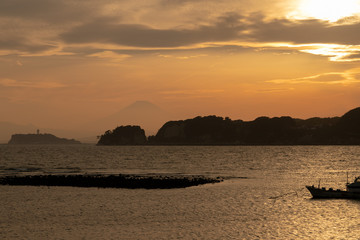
[109, 181]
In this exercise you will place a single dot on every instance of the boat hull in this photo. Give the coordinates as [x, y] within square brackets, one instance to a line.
[330, 193]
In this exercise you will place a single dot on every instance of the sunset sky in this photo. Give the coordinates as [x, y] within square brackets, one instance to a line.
[70, 61]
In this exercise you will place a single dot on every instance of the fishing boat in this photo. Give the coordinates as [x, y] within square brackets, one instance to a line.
[352, 191]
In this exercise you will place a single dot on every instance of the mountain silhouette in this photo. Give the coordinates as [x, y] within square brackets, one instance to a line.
[144, 113]
[350, 122]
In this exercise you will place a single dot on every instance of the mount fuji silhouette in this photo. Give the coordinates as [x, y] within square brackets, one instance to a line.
[143, 113]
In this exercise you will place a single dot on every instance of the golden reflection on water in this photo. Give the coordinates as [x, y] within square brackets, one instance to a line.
[271, 202]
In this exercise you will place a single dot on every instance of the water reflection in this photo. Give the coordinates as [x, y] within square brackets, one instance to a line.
[267, 200]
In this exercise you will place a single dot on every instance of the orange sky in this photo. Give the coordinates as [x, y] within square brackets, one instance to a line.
[66, 62]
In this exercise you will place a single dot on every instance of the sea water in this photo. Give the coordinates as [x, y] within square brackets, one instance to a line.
[263, 195]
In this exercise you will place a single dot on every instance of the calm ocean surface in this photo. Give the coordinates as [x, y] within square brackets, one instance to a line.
[263, 196]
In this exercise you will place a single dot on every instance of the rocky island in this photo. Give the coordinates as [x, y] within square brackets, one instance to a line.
[123, 135]
[38, 138]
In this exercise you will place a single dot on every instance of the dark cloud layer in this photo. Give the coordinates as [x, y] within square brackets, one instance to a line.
[23, 45]
[46, 10]
[74, 21]
[227, 28]
[305, 32]
[354, 56]
[105, 31]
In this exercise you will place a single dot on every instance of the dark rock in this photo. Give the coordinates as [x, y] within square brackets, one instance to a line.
[109, 181]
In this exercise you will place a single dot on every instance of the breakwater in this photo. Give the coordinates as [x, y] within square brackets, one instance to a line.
[109, 181]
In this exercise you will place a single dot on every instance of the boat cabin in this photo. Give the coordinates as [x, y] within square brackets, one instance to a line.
[355, 186]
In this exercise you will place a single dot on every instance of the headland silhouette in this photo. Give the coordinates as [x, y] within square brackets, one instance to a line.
[214, 130]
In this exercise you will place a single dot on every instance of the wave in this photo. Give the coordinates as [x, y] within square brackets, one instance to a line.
[27, 170]
[22, 169]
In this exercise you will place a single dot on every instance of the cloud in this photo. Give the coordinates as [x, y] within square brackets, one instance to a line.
[181, 57]
[196, 91]
[336, 53]
[138, 35]
[347, 77]
[353, 57]
[46, 27]
[270, 90]
[25, 84]
[22, 45]
[228, 27]
[304, 32]
[49, 10]
[114, 57]
[32, 27]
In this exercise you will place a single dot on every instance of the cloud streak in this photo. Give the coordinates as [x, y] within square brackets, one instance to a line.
[347, 77]
[5, 82]
[336, 53]
[22, 45]
[113, 56]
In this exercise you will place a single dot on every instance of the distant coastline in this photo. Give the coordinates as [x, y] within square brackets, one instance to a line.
[214, 130]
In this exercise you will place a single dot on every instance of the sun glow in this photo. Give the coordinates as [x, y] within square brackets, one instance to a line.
[330, 10]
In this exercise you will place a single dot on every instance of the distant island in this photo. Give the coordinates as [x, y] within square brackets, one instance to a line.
[214, 130]
[38, 138]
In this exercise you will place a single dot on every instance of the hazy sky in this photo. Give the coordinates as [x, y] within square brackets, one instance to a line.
[65, 62]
